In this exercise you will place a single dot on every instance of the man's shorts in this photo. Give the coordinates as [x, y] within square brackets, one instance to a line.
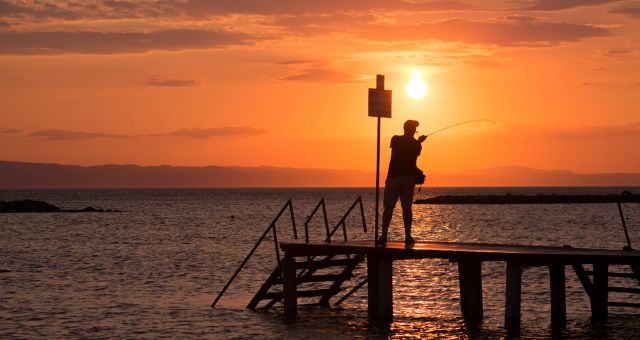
[400, 186]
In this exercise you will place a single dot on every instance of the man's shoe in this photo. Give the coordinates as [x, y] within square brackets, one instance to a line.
[382, 240]
[410, 240]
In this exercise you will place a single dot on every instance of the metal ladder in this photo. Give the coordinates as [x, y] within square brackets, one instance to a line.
[308, 270]
[585, 276]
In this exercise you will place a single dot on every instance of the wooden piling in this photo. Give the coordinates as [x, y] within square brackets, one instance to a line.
[557, 295]
[599, 295]
[380, 289]
[513, 297]
[289, 289]
[470, 278]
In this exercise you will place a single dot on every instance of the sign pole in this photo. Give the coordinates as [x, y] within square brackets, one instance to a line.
[379, 86]
[377, 184]
[379, 107]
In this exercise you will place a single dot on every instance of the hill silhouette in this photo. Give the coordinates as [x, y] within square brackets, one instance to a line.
[523, 176]
[39, 175]
[21, 175]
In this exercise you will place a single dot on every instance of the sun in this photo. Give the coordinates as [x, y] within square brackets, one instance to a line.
[417, 88]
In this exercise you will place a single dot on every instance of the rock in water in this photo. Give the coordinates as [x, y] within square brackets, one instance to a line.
[27, 206]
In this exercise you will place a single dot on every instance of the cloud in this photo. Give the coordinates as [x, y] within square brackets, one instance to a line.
[216, 132]
[508, 31]
[556, 5]
[631, 10]
[201, 133]
[580, 133]
[62, 42]
[7, 130]
[321, 75]
[39, 11]
[295, 62]
[60, 135]
[171, 82]
[309, 24]
[278, 7]
[36, 10]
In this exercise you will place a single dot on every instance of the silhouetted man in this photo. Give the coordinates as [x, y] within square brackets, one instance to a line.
[401, 179]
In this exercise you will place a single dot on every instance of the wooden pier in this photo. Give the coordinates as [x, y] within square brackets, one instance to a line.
[469, 257]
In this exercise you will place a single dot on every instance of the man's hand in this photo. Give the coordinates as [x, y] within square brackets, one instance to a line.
[422, 138]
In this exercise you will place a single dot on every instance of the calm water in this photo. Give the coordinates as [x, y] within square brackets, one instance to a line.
[153, 270]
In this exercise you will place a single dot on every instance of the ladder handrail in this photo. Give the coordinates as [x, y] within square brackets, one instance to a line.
[326, 220]
[624, 224]
[344, 218]
[272, 226]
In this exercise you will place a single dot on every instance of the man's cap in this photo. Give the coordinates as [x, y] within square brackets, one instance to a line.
[411, 123]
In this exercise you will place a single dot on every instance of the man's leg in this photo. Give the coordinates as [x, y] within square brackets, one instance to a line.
[391, 193]
[406, 199]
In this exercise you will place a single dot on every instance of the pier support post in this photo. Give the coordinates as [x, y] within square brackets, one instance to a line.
[289, 289]
[558, 295]
[470, 278]
[599, 298]
[513, 297]
[380, 289]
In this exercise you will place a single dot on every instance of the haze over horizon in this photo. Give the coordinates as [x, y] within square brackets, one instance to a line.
[284, 83]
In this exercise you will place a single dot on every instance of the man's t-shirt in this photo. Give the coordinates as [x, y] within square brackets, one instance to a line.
[404, 153]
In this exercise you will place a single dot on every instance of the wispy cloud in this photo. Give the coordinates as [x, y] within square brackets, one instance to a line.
[207, 7]
[577, 133]
[60, 135]
[216, 132]
[8, 130]
[631, 10]
[507, 31]
[199, 133]
[556, 5]
[168, 82]
[84, 42]
[295, 62]
[82, 10]
[124, 9]
[323, 75]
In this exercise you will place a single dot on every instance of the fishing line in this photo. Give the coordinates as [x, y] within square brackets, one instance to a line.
[458, 124]
[461, 123]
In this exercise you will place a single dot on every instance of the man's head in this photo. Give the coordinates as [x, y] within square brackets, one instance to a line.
[410, 127]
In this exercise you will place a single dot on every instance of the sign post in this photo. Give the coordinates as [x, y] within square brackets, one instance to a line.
[379, 106]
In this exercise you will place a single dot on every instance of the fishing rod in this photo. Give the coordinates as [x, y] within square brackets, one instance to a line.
[461, 123]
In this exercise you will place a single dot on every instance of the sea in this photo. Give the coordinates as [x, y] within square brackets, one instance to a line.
[152, 270]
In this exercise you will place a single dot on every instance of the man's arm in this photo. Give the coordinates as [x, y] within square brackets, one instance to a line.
[422, 138]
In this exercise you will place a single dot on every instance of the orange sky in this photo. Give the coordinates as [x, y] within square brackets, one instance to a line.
[284, 82]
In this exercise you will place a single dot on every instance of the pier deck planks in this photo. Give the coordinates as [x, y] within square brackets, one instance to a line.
[526, 255]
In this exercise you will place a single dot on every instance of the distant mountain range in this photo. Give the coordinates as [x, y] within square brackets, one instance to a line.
[20, 175]
[523, 176]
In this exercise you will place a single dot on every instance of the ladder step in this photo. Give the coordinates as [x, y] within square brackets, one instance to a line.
[625, 290]
[326, 264]
[300, 293]
[627, 275]
[624, 304]
[320, 278]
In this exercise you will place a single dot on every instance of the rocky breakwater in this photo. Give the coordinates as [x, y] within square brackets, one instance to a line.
[31, 206]
[525, 199]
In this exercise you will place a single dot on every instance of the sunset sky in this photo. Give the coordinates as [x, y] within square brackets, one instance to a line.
[284, 82]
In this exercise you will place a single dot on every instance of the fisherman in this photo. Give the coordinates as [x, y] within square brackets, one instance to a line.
[401, 179]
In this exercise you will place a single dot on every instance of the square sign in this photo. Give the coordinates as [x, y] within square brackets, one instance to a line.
[379, 103]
